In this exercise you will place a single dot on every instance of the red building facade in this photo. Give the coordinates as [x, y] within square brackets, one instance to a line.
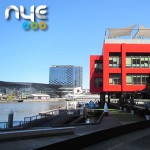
[124, 66]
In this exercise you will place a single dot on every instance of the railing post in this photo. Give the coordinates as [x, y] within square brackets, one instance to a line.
[84, 112]
[10, 119]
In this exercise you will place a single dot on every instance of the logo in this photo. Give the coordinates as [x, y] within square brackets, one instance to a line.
[39, 12]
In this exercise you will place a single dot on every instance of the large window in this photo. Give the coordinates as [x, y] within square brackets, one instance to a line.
[145, 61]
[98, 68]
[114, 60]
[128, 62]
[138, 61]
[136, 79]
[98, 82]
[114, 79]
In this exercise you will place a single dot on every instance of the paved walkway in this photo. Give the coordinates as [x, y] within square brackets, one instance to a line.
[106, 123]
[139, 140]
[30, 144]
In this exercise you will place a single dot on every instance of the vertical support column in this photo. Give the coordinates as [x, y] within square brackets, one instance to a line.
[123, 67]
[108, 98]
[102, 98]
[84, 112]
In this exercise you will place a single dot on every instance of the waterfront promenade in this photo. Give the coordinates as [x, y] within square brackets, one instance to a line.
[108, 122]
[33, 143]
[138, 140]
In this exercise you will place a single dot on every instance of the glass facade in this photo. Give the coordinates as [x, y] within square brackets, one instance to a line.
[26, 89]
[114, 60]
[98, 82]
[115, 79]
[136, 79]
[138, 61]
[66, 75]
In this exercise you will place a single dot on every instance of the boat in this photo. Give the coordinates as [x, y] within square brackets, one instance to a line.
[20, 100]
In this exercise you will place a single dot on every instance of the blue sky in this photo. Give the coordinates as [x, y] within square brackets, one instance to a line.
[75, 31]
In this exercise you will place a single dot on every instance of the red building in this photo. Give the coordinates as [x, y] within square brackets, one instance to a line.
[124, 66]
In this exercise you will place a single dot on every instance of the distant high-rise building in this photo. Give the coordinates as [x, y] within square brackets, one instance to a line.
[67, 75]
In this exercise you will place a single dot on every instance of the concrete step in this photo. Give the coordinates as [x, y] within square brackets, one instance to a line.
[20, 134]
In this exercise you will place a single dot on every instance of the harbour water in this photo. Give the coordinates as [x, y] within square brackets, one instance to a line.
[27, 109]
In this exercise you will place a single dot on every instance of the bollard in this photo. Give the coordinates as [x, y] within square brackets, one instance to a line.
[106, 113]
[10, 119]
[67, 105]
[84, 112]
[75, 105]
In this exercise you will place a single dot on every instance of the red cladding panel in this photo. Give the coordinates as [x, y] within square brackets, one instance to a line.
[94, 75]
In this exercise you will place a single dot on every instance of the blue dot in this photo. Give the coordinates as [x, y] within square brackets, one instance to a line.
[26, 25]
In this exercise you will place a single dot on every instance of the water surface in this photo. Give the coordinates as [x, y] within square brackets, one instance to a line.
[26, 109]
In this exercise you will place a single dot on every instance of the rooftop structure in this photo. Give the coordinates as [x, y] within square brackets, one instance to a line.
[132, 34]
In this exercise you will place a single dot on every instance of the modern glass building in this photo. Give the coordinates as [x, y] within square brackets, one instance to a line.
[67, 75]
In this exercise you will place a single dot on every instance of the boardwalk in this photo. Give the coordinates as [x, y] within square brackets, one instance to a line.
[29, 144]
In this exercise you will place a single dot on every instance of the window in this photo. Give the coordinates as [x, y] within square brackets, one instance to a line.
[114, 79]
[114, 60]
[136, 79]
[146, 61]
[138, 60]
[98, 82]
[143, 78]
[98, 68]
[142, 62]
[128, 62]
[129, 79]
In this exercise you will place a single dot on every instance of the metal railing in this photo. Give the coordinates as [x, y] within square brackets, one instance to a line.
[4, 125]
[33, 120]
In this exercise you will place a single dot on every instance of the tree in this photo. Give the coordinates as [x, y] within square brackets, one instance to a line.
[10, 97]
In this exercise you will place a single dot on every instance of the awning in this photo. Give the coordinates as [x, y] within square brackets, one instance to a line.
[117, 32]
[143, 32]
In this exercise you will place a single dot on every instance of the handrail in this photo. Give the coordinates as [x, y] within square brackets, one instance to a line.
[28, 121]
